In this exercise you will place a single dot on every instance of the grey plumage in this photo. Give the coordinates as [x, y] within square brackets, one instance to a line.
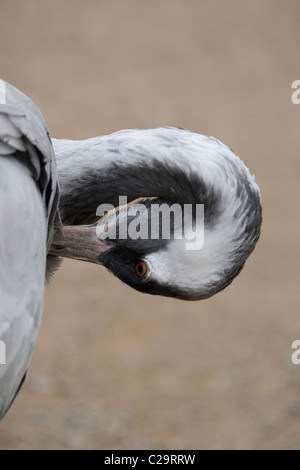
[28, 211]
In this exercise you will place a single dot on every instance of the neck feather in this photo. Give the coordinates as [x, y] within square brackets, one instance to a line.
[172, 164]
[167, 163]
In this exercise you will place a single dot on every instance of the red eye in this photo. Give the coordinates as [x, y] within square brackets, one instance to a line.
[141, 268]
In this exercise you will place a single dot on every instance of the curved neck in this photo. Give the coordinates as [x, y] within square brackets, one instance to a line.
[171, 164]
[165, 163]
[174, 166]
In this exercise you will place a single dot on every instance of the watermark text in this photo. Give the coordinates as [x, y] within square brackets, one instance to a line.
[295, 358]
[296, 94]
[152, 221]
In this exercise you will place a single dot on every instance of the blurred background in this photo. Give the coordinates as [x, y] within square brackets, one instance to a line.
[115, 369]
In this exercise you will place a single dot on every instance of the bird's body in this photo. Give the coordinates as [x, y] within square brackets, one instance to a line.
[162, 167]
[22, 273]
[28, 207]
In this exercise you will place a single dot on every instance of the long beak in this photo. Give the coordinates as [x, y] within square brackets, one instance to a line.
[78, 242]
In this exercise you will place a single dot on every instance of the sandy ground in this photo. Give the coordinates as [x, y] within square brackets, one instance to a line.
[117, 369]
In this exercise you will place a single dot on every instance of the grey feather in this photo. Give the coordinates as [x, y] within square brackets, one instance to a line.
[28, 213]
[23, 114]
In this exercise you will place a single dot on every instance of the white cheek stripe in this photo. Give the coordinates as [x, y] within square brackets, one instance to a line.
[2, 92]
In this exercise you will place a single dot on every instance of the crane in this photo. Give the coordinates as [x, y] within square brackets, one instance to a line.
[53, 192]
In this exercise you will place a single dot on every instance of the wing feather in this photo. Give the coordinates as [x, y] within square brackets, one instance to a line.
[28, 212]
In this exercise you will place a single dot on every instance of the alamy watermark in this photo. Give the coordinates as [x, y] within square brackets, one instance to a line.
[295, 357]
[296, 94]
[2, 353]
[152, 221]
